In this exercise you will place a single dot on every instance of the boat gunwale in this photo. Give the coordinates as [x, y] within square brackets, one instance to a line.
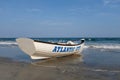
[58, 43]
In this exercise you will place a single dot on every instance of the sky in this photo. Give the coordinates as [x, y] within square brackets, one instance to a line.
[59, 18]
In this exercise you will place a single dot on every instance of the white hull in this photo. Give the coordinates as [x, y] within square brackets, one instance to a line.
[41, 50]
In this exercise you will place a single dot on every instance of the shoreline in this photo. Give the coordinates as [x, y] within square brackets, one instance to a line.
[15, 70]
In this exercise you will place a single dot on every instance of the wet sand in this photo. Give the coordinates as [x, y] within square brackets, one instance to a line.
[54, 69]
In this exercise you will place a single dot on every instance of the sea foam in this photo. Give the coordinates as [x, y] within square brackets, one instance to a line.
[103, 46]
[8, 43]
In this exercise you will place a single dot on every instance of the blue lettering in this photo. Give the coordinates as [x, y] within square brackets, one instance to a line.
[65, 49]
[58, 49]
[55, 49]
[61, 49]
[77, 48]
[72, 49]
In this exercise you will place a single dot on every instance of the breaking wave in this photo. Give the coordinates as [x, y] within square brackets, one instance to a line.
[103, 46]
[8, 44]
[107, 47]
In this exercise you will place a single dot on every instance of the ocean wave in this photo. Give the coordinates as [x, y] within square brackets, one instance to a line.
[103, 46]
[107, 47]
[8, 44]
[86, 46]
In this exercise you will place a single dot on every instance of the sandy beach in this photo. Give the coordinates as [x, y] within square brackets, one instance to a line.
[51, 70]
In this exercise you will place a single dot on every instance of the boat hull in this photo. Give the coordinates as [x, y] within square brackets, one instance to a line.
[40, 50]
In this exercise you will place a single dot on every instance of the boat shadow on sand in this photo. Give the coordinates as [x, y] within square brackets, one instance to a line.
[60, 61]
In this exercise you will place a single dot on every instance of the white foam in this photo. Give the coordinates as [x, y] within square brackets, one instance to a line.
[115, 46]
[86, 46]
[8, 43]
[107, 46]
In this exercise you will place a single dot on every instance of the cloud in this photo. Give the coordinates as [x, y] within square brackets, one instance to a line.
[82, 11]
[111, 2]
[104, 14]
[55, 23]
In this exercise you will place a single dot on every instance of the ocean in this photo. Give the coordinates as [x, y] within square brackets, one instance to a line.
[99, 54]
